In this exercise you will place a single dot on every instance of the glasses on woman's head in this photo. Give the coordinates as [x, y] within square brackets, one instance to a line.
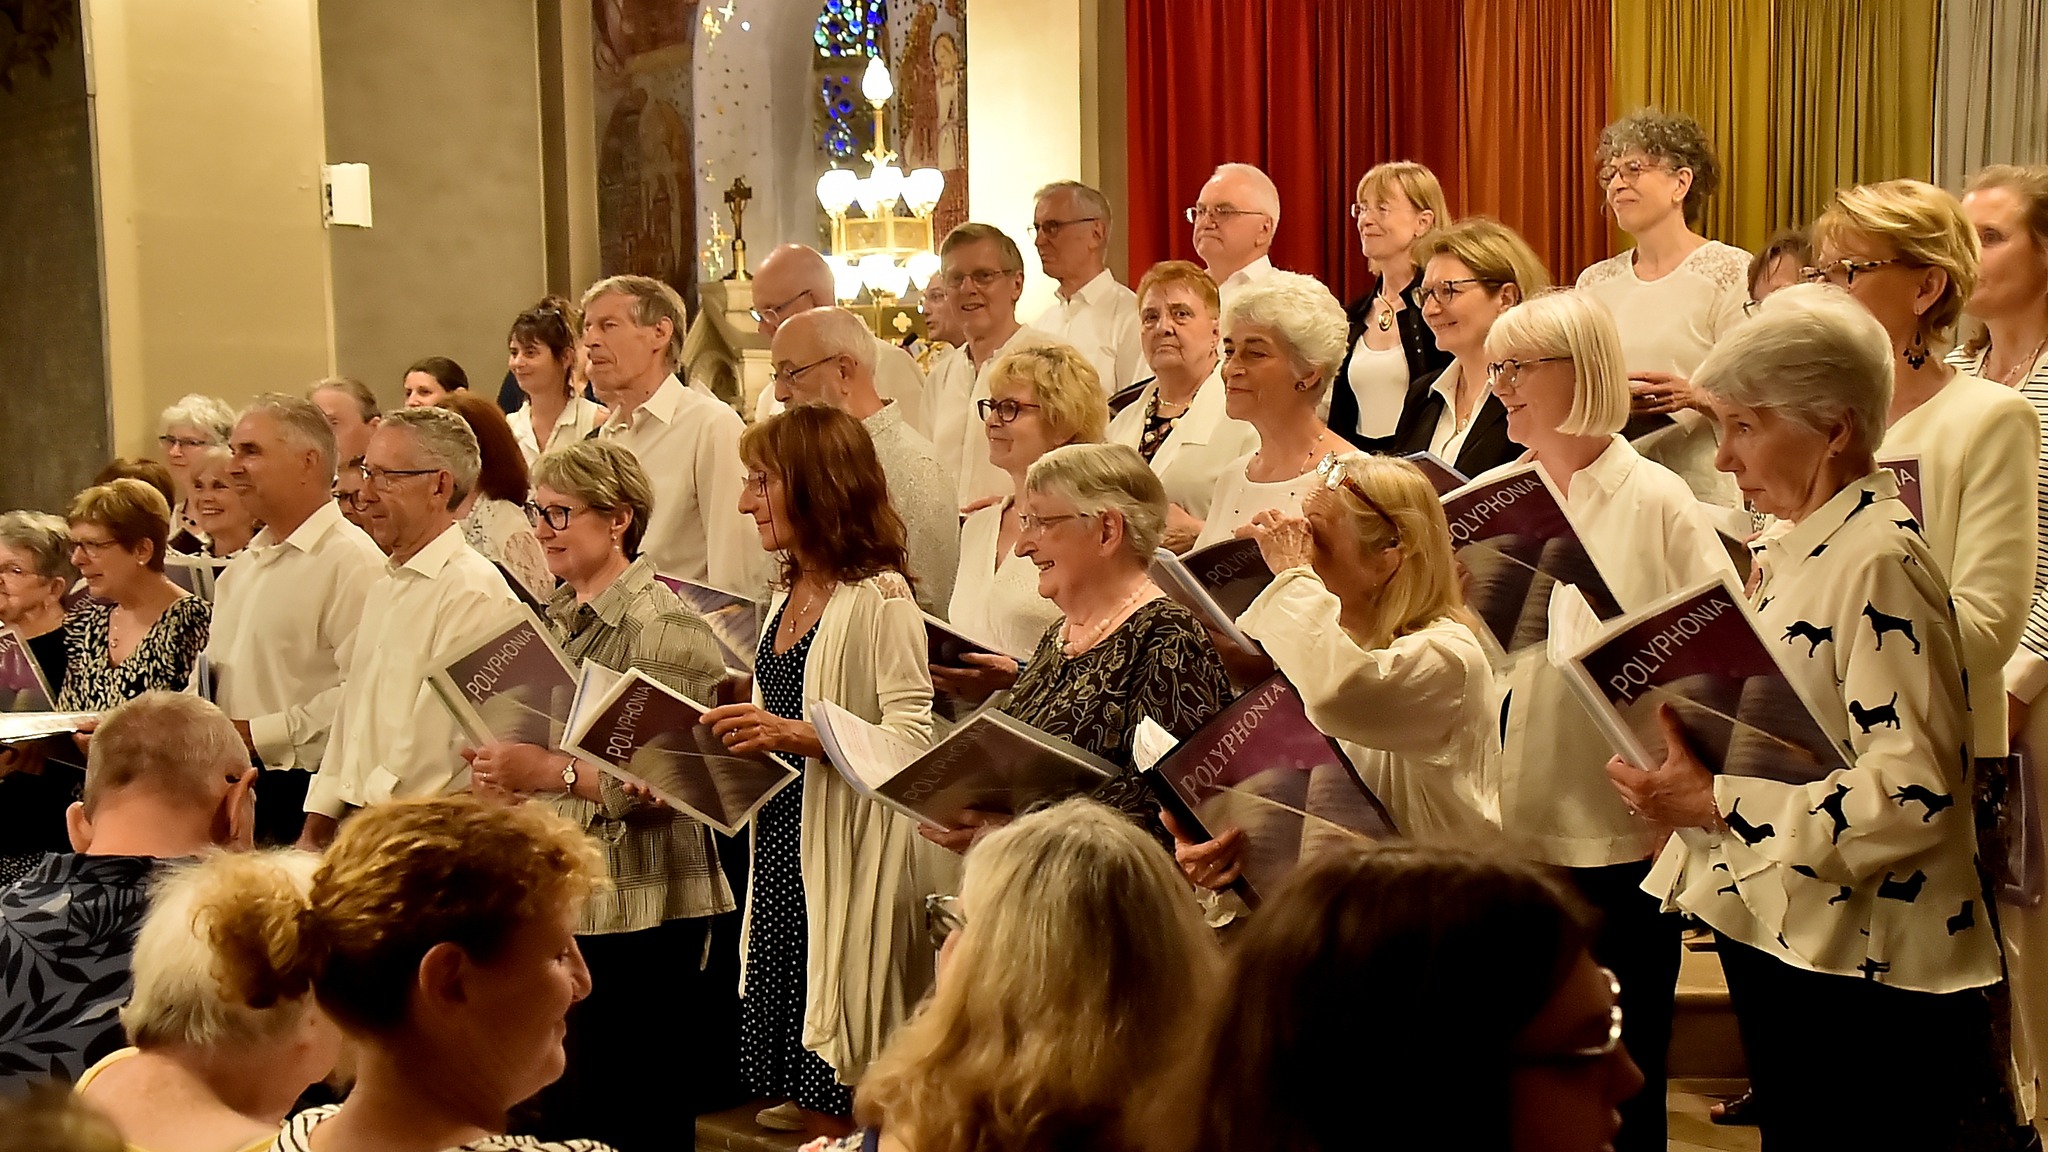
[1005, 410]
[186, 442]
[1337, 476]
[556, 516]
[1843, 273]
[942, 917]
[1509, 372]
[1445, 291]
[1590, 1052]
[1630, 171]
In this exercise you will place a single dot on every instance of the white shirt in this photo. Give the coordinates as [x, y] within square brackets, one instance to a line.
[922, 494]
[283, 611]
[1416, 717]
[2027, 672]
[1650, 538]
[689, 444]
[1379, 378]
[1102, 321]
[1979, 445]
[897, 378]
[578, 420]
[1237, 499]
[998, 603]
[1448, 438]
[1888, 889]
[392, 735]
[1203, 445]
[1244, 278]
[958, 433]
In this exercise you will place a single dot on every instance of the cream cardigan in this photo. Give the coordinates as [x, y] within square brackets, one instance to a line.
[866, 871]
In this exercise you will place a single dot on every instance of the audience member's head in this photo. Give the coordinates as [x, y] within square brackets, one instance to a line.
[439, 935]
[194, 422]
[1069, 1002]
[1396, 204]
[826, 356]
[351, 411]
[284, 459]
[540, 350]
[501, 464]
[1178, 316]
[215, 503]
[35, 570]
[1557, 366]
[600, 477]
[1038, 399]
[166, 774]
[1070, 227]
[1780, 263]
[1235, 218]
[1905, 250]
[1654, 166]
[984, 275]
[1472, 975]
[52, 1118]
[818, 496]
[1283, 338]
[420, 465]
[148, 471]
[632, 337]
[1383, 547]
[1473, 271]
[428, 380]
[118, 535]
[2008, 205]
[793, 279]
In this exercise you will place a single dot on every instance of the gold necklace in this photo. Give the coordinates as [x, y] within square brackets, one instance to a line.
[1387, 310]
[2023, 368]
[1073, 644]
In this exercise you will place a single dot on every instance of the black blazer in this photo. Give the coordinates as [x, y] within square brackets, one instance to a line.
[1486, 442]
[1417, 342]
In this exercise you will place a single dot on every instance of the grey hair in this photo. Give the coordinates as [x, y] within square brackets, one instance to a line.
[1676, 139]
[176, 744]
[654, 302]
[1106, 478]
[1090, 199]
[447, 440]
[841, 333]
[1305, 314]
[1263, 188]
[209, 414]
[301, 422]
[1811, 352]
[605, 475]
[178, 997]
[44, 538]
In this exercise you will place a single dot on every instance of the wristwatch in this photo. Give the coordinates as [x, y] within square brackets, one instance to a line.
[569, 774]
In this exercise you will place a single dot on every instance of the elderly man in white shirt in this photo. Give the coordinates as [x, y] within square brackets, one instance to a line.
[392, 737]
[688, 441]
[1235, 219]
[984, 274]
[795, 278]
[1070, 227]
[822, 357]
[285, 608]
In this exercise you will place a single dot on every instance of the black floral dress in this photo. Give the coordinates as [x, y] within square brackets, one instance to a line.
[1158, 663]
[161, 662]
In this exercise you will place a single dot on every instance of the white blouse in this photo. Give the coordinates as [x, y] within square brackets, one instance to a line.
[997, 603]
[1238, 499]
[1979, 445]
[1379, 378]
[1204, 443]
[1449, 437]
[1650, 538]
[1416, 718]
[1870, 872]
[578, 420]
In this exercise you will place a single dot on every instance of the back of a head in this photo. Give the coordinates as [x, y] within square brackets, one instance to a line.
[53, 1118]
[1441, 956]
[149, 472]
[173, 746]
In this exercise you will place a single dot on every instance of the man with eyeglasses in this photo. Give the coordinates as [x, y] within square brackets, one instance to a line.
[795, 278]
[391, 738]
[1070, 227]
[285, 609]
[687, 439]
[1235, 219]
[823, 357]
[984, 272]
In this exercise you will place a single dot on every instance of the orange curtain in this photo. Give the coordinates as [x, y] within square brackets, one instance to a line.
[1536, 85]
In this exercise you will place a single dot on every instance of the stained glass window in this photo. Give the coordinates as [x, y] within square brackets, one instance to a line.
[847, 33]
[852, 27]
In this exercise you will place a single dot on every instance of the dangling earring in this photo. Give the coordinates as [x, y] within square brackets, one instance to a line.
[1916, 352]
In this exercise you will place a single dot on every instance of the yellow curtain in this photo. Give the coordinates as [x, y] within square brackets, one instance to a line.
[1852, 98]
[1709, 59]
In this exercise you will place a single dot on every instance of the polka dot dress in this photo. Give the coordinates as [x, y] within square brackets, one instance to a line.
[773, 1059]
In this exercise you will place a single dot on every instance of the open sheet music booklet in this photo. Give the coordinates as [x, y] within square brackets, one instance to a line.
[1216, 583]
[990, 763]
[735, 619]
[1698, 651]
[1262, 767]
[1517, 545]
[26, 727]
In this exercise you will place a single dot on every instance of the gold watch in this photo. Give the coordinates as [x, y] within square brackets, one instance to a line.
[569, 774]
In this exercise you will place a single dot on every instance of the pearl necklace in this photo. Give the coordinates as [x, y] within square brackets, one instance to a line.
[1074, 643]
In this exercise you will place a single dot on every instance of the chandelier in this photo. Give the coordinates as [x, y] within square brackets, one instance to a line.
[887, 247]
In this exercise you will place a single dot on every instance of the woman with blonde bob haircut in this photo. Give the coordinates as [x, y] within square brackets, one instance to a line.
[1070, 998]
[207, 1072]
[1905, 250]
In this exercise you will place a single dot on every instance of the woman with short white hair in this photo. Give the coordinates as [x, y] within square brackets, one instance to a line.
[1283, 337]
[1850, 913]
[194, 422]
[205, 1071]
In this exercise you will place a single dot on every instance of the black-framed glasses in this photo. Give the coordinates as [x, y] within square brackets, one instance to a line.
[789, 375]
[1051, 228]
[93, 547]
[1223, 213]
[942, 917]
[1843, 273]
[1335, 475]
[1630, 171]
[1445, 291]
[556, 516]
[1005, 410]
[1509, 371]
[775, 311]
[982, 278]
[1590, 1052]
[186, 442]
[378, 477]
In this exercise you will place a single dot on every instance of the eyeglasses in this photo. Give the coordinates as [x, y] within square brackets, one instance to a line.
[1223, 213]
[775, 311]
[1842, 273]
[981, 278]
[942, 917]
[1050, 230]
[1335, 475]
[1507, 372]
[16, 572]
[557, 516]
[93, 547]
[1590, 1052]
[1630, 171]
[1005, 410]
[378, 477]
[1026, 522]
[1445, 291]
[185, 442]
[789, 375]
[757, 483]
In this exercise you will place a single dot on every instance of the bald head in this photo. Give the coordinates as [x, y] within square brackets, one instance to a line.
[792, 279]
[1236, 216]
[826, 356]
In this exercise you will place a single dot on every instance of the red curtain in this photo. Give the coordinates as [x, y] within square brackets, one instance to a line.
[1317, 91]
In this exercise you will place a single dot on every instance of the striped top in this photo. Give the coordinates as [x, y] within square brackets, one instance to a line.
[2026, 674]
